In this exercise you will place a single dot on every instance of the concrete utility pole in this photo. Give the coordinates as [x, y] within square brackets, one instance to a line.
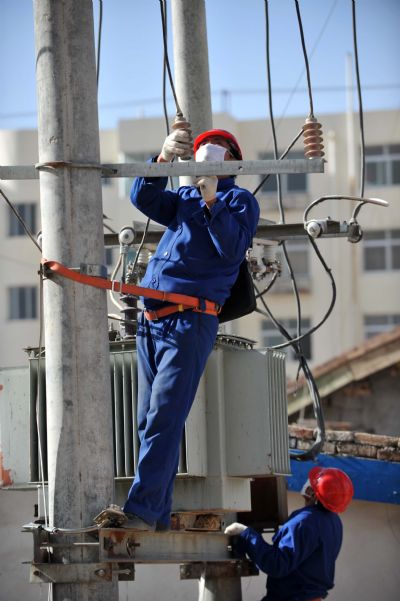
[191, 73]
[192, 83]
[79, 415]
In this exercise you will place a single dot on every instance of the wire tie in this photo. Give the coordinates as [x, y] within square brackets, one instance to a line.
[52, 165]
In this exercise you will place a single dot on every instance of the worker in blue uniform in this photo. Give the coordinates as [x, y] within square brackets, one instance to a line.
[210, 226]
[301, 561]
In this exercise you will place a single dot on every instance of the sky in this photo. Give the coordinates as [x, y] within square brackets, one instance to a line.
[131, 61]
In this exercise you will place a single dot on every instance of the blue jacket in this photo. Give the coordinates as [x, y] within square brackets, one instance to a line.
[201, 251]
[301, 561]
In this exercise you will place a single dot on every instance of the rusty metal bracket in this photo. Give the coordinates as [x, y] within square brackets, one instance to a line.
[58, 573]
[128, 545]
[231, 569]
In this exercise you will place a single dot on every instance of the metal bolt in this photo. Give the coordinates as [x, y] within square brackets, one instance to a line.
[101, 573]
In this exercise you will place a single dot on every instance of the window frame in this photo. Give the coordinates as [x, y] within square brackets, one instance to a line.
[22, 303]
[285, 177]
[14, 226]
[384, 162]
[289, 323]
[388, 242]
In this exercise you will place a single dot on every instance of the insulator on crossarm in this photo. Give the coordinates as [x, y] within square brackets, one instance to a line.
[312, 132]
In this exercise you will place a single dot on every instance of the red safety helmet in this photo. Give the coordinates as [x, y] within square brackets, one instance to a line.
[332, 487]
[222, 133]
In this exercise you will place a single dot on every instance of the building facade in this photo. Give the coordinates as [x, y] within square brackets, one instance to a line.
[366, 274]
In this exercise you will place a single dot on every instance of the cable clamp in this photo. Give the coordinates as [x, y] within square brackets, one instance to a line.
[53, 165]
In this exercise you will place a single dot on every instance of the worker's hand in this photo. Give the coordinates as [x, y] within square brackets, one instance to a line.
[208, 188]
[177, 144]
[235, 528]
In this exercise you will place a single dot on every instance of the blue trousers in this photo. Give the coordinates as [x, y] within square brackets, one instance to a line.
[171, 356]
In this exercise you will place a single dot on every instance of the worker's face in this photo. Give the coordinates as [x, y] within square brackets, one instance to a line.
[220, 142]
[308, 494]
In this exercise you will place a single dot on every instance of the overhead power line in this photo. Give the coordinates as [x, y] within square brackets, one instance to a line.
[224, 93]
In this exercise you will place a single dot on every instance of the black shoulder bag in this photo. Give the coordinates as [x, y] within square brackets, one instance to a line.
[242, 299]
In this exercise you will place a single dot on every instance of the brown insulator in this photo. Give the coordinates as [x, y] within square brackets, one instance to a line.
[312, 132]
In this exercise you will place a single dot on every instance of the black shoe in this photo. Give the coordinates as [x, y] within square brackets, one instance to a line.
[135, 522]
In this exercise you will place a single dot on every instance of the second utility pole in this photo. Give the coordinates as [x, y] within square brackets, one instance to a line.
[79, 414]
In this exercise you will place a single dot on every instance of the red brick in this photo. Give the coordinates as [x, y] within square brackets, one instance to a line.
[377, 440]
[300, 432]
[357, 450]
[339, 435]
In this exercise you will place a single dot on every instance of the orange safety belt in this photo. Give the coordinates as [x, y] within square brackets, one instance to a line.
[182, 301]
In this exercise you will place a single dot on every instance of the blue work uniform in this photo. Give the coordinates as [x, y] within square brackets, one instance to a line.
[199, 255]
[301, 561]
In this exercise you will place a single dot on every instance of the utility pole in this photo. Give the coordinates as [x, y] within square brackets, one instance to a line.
[191, 71]
[192, 83]
[79, 414]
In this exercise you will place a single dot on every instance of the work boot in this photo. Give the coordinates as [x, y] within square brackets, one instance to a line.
[135, 522]
[111, 517]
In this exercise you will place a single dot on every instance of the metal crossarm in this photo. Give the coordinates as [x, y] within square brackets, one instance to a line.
[178, 168]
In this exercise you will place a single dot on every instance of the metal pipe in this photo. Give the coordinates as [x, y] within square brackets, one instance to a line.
[79, 419]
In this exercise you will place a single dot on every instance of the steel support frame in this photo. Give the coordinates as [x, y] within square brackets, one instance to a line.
[181, 168]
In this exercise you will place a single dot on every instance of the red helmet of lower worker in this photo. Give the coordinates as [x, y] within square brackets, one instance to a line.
[332, 487]
[220, 133]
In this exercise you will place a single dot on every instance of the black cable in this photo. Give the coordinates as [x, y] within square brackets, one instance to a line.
[164, 86]
[20, 219]
[331, 304]
[268, 286]
[99, 41]
[303, 45]
[360, 104]
[316, 447]
[171, 82]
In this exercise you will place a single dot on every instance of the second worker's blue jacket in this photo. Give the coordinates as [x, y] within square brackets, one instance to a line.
[301, 561]
[201, 250]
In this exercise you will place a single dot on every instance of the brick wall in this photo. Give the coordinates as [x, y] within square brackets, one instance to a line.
[356, 444]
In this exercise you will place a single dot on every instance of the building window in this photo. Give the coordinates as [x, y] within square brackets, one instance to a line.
[382, 165]
[22, 302]
[137, 157]
[291, 183]
[381, 250]
[376, 324]
[271, 336]
[28, 214]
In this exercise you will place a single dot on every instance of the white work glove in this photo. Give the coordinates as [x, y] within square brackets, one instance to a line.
[177, 144]
[208, 187]
[235, 528]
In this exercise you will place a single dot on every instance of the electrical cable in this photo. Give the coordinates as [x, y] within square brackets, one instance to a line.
[292, 143]
[360, 105]
[171, 82]
[111, 292]
[38, 395]
[307, 65]
[316, 447]
[164, 84]
[268, 287]
[99, 41]
[295, 88]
